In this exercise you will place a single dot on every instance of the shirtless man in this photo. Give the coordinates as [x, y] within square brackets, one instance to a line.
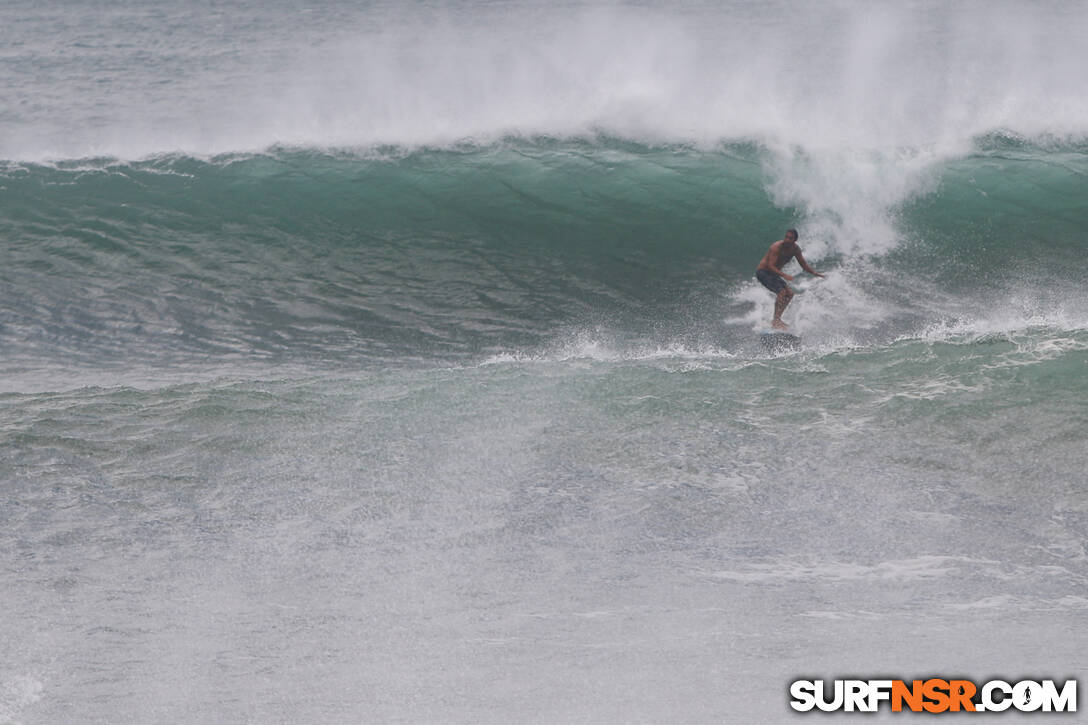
[770, 274]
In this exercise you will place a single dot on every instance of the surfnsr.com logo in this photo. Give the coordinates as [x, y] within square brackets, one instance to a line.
[933, 695]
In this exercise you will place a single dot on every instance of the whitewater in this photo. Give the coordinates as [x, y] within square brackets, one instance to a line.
[399, 362]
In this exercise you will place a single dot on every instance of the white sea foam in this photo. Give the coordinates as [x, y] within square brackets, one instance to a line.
[922, 567]
[900, 83]
[17, 692]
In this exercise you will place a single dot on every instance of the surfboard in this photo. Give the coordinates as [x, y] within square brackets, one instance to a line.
[778, 341]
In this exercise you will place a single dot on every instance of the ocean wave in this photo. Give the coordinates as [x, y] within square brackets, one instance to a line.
[484, 249]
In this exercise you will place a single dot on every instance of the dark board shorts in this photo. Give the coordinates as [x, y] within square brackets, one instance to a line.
[770, 280]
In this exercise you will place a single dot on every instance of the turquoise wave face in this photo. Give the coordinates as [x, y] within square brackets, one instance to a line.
[1005, 212]
[484, 249]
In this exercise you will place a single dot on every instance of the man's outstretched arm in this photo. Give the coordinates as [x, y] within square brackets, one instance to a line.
[804, 264]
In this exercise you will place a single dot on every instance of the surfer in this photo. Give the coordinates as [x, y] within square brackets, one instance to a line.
[770, 274]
